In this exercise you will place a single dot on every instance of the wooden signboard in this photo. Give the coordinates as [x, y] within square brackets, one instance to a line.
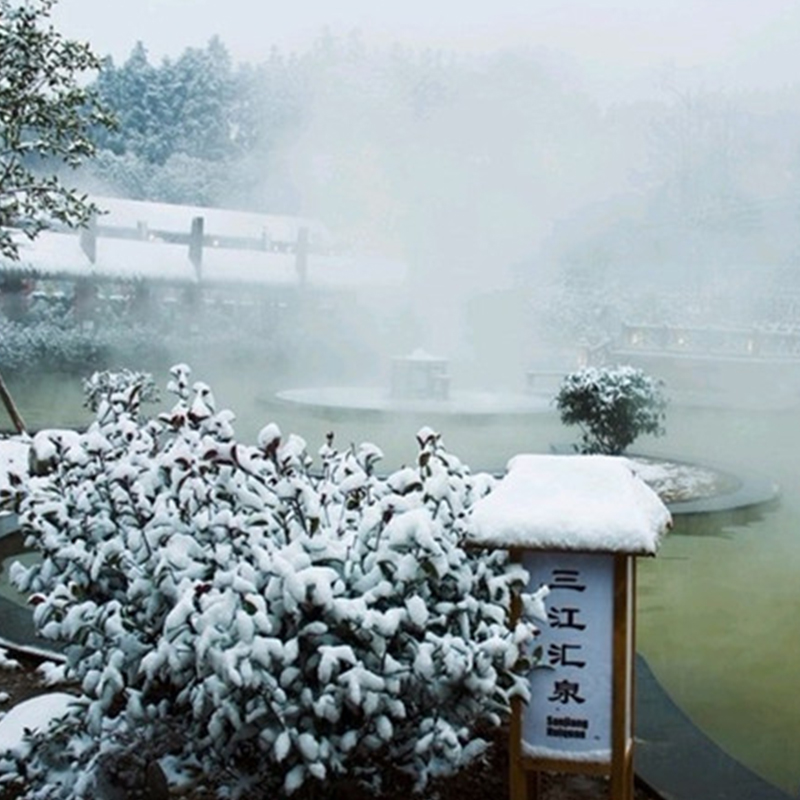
[580, 718]
[577, 523]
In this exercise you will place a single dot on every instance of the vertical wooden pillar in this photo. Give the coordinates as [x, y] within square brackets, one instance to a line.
[196, 246]
[301, 256]
[88, 239]
[622, 700]
[517, 777]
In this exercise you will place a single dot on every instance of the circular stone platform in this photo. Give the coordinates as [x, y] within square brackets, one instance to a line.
[687, 488]
[358, 399]
[692, 488]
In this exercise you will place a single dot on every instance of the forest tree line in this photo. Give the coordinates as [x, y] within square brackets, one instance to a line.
[200, 129]
[510, 147]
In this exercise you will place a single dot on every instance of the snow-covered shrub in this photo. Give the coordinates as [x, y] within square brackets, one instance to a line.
[126, 387]
[255, 625]
[105, 393]
[12, 475]
[54, 339]
[62, 345]
[612, 406]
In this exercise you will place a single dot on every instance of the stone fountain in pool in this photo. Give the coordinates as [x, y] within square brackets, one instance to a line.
[420, 383]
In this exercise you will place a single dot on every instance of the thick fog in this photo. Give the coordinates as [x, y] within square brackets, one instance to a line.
[619, 44]
[545, 173]
[533, 215]
[549, 173]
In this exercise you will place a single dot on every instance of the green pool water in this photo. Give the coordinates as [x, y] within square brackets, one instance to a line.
[719, 608]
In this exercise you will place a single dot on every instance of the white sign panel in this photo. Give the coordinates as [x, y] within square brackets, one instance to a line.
[569, 716]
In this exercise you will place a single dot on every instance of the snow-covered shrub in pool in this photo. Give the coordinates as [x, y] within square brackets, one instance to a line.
[253, 624]
[612, 406]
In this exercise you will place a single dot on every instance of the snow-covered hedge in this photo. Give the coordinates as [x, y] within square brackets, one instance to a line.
[613, 406]
[253, 625]
[62, 345]
[54, 339]
[137, 388]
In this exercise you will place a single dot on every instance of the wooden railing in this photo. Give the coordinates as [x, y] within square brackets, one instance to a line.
[738, 342]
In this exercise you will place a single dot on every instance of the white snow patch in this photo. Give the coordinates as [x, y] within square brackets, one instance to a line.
[13, 459]
[674, 481]
[51, 673]
[31, 715]
[6, 661]
[581, 503]
[602, 756]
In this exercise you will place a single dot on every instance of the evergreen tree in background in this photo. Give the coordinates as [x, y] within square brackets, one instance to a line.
[179, 107]
[195, 129]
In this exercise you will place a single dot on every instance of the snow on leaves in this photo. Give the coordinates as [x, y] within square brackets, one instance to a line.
[293, 621]
[612, 406]
[45, 114]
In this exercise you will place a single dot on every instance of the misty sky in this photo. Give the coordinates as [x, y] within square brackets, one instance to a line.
[622, 44]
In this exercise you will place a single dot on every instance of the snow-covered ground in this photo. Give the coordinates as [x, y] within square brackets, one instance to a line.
[34, 713]
[30, 715]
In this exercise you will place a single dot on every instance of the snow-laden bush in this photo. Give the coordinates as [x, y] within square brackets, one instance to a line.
[53, 338]
[126, 386]
[255, 625]
[612, 406]
[61, 344]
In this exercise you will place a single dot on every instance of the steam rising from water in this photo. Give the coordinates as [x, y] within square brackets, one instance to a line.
[532, 216]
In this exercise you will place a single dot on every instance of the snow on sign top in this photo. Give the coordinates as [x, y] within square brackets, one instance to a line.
[580, 503]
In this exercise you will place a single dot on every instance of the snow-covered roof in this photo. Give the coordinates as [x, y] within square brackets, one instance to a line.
[123, 213]
[60, 255]
[577, 503]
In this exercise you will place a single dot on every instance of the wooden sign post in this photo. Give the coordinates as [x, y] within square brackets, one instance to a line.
[576, 523]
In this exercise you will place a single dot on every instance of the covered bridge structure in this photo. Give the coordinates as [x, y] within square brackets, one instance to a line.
[156, 253]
